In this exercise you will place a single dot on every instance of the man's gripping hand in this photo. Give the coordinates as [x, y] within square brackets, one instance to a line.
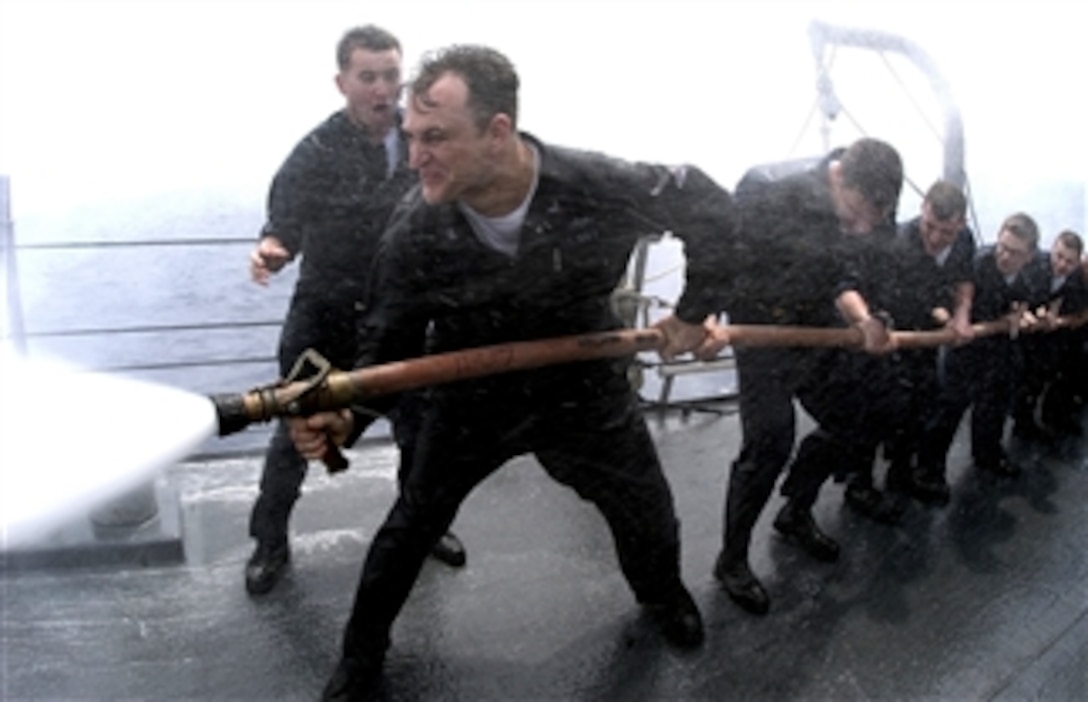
[875, 336]
[314, 435]
[704, 341]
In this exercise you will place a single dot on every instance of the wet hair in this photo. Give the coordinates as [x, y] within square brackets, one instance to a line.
[490, 77]
[873, 168]
[1023, 227]
[946, 200]
[1071, 240]
[369, 37]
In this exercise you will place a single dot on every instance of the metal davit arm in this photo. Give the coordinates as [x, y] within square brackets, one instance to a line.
[823, 35]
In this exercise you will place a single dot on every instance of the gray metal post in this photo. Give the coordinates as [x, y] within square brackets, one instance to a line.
[13, 307]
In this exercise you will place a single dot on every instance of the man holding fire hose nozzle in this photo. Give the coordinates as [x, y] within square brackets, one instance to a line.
[509, 238]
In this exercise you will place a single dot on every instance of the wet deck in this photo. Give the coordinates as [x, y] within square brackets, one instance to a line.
[986, 598]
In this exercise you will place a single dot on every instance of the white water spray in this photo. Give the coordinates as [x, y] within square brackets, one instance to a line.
[70, 440]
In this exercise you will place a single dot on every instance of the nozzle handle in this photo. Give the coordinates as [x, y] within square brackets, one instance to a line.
[334, 459]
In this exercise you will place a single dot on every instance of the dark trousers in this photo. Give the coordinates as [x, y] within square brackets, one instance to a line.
[1052, 364]
[598, 445]
[918, 381]
[911, 396]
[856, 400]
[769, 380]
[1078, 366]
[1041, 356]
[326, 324]
[980, 375]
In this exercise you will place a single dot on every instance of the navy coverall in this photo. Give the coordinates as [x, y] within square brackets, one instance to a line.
[980, 375]
[329, 202]
[794, 264]
[581, 420]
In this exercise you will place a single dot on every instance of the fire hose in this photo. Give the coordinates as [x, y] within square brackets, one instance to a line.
[325, 388]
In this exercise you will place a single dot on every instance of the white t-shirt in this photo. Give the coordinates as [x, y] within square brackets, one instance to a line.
[942, 256]
[503, 233]
[392, 151]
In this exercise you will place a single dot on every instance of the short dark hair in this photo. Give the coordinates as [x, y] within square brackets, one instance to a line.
[873, 168]
[490, 77]
[946, 200]
[1070, 239]
[1023, 227]
[370, 37]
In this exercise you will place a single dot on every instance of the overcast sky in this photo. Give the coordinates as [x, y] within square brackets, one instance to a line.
[105, 100]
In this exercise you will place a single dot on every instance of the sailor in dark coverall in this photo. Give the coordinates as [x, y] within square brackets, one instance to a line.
[794, 222]
[855, 399]
[511, 239]
[930, 285]
[982, 374]
[1052, 356]
[329, 202]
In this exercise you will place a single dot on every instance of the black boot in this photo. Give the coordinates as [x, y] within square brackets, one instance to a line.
[353, 680]
[1030, 430]
[741, 585]
[930, 486]
[1000, 466]
[450, 550]
[1066, 426]
[678, 619]
[898, 478]
[796, 523]
[266, 566]
[870, 502]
